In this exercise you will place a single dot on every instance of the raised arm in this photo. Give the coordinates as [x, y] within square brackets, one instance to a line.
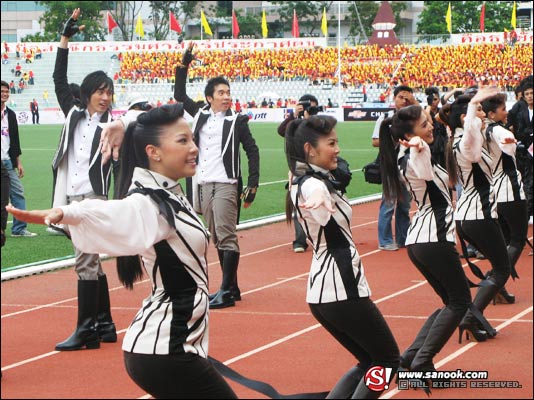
[61, 84]
[180, 93]
[473, 138]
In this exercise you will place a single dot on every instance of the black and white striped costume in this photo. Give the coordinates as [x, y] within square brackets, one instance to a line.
[476, 210]
[338, 293]
[337, 271]
[173, 320]
[509, 192]
[431, 247]
[428, 182]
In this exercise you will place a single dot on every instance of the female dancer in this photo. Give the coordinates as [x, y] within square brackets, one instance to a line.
[431, 241]
[338, 293]
[476, 210]
[166, 346]
[511, 200]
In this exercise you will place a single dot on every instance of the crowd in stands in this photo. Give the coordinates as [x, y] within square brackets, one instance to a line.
[415, 66]
[23, 77]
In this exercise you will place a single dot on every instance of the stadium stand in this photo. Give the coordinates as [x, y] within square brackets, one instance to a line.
[367, 71]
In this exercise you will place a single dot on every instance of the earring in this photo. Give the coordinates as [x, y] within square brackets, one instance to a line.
[158, 159]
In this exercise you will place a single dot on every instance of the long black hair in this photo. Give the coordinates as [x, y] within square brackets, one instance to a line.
[391, 131]
[147, 130]
[299, 132]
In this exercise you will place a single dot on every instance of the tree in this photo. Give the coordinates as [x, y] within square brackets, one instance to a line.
[309, 14]
[248, 24]
[125, 15]
[159, 16]
[363, 13]
[465, 16]
[57, 13]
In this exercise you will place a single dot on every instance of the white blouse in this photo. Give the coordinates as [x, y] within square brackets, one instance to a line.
[507, 179]
[477, 201]
[429, 185]
[174, 317]
[336, 271]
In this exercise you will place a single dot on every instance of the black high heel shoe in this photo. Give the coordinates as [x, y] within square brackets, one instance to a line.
[503, 297]
[472, 333]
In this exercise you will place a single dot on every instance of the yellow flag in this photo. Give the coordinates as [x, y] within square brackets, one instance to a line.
[448, 18]
[205, 24]
[264, 30]
[324, 23]
[513, 20]
[139, 27]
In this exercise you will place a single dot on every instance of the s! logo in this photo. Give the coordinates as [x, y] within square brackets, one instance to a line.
[377, 378]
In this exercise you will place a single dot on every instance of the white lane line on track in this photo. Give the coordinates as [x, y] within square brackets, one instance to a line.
[464, 349]
[293, 335]
[209, 264]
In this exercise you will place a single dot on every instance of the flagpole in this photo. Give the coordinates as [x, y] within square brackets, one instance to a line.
[340, 103]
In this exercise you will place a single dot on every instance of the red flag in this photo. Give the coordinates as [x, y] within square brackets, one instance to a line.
[111, 23]
[235, 26]
[175, 26]
[482, 16]
[295, 28]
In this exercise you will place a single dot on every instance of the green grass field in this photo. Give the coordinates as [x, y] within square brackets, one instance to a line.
[39, 143]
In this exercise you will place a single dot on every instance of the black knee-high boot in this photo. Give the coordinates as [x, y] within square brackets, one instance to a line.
[503, 296]
[224, 297]
[440, 332]
[486, 292]
[235, 288]
[104, 323]
[85, 334]
[346, 386]
[409, 354]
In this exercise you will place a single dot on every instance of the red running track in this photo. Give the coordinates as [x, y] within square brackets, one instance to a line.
[270, 335]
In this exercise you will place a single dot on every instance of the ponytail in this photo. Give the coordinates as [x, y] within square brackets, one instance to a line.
[389, 170]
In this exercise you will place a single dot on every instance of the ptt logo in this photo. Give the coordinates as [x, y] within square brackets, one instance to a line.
[250, 115]
[377, 378]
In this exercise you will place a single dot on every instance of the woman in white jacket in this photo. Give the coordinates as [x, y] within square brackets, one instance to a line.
[476, 210]
[431, 241]
[338, 293]
[153, 225]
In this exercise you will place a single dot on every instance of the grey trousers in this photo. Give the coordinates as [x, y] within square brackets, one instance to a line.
[218, 202]
[88, 266]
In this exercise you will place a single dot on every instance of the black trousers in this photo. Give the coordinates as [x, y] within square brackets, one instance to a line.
[514, 216]
[184, 376]
[487, 237]
[360, 327]
[441, 266]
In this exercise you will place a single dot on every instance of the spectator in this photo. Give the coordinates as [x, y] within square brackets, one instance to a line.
[11, 153]
[402, 97]
[34, 108]
[45, 97]
[5, 185]
[524, 135]
[18, 70]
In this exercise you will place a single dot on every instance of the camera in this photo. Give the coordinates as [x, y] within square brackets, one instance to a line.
[312, 110]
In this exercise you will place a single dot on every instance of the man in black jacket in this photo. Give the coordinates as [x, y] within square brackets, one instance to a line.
[215, 190]
[79, 174]
[11, 159]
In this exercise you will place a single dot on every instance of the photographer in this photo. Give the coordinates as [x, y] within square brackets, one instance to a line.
[308, 105]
